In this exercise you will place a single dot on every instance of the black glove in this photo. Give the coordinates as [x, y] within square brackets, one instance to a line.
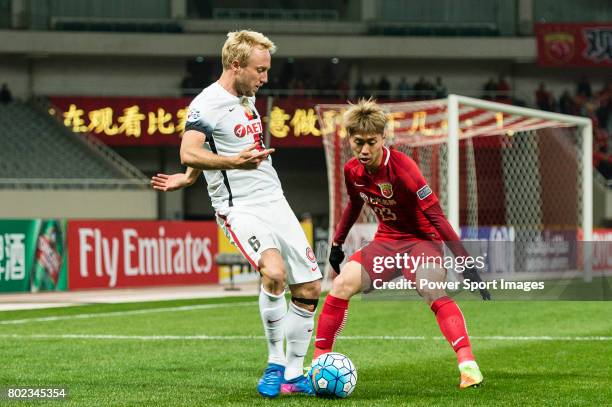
[471, 274]
[336, 256]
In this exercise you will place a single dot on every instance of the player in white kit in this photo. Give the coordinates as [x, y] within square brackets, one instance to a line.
[224, 139]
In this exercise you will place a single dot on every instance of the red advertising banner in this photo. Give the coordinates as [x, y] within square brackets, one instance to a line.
[568, 44]
[126, 121]
[115, 254]
[602, 249]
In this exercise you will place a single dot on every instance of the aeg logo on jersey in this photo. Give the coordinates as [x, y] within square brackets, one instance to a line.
[241, 130]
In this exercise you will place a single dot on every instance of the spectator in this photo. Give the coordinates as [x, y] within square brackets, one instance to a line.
[544, 99]
[602, 161]
[490, 89]
[604, 112]
[371, 88]
[420, 88]
[361, 88]
[566, 103]
[188, 86]
[5, 94]
[384, 88]
[298, 87]
[583, 87]
[343, 89]
[440, 89]
[503, 90]
[403, 89]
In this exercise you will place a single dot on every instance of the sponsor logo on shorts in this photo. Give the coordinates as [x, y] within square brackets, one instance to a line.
[424, 192]
[310, 254]
[386, 189]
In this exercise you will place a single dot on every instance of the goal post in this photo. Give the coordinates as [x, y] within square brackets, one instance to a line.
[583, 124]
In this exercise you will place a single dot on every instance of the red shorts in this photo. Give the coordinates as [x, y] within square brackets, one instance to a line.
[388, 259]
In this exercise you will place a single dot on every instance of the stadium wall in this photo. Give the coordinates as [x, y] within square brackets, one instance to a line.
[139, 76]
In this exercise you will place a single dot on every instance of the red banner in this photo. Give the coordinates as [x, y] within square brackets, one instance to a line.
[114, 254]
[582, 45]
[123, 121]
[602, 249]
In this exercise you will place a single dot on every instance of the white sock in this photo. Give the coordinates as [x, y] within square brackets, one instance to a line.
[273, 309]
[299, 324]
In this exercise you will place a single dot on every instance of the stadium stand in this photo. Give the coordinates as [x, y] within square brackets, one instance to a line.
[48, 171]
[31, 137]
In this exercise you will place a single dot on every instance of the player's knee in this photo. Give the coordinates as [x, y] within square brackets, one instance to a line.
[312, 289]
[306, 295]
[309, 304]
[427, 280]
[342, 287]
[430, 294]
[276, 274]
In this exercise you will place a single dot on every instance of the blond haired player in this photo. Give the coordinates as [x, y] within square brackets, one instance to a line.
[410, 221]
[223, 139]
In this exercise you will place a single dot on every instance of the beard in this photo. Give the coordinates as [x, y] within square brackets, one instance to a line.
[243, 88]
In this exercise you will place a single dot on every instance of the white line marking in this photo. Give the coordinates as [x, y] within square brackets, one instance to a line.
[136, 337]
[261, 337]
[122, 313]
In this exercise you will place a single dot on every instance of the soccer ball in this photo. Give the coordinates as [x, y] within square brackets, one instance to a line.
[333, 375]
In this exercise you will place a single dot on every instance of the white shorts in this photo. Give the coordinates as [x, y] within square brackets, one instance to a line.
[271, 225]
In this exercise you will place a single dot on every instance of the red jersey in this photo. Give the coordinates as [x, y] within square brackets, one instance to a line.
[397, 193]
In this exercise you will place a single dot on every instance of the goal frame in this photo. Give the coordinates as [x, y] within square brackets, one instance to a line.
[584, 125]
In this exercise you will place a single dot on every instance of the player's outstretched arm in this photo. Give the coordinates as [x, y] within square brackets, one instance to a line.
[193, 154]
[167, 183]
[350, 214]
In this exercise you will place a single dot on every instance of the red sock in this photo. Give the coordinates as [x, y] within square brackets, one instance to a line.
[331, 321]
[452, 324]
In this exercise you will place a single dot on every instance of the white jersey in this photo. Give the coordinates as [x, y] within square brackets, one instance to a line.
[231, 124]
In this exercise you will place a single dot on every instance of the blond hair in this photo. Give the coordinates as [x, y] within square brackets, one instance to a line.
[365, 117]
[239, 45]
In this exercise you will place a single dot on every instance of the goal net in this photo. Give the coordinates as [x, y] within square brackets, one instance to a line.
[501, 172]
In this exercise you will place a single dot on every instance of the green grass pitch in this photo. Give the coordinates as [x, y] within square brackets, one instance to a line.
[211, 352]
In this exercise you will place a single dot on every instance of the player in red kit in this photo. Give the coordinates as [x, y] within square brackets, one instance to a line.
[410, 222]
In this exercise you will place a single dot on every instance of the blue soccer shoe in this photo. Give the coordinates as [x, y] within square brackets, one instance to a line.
[270, 383]
[299, 385]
